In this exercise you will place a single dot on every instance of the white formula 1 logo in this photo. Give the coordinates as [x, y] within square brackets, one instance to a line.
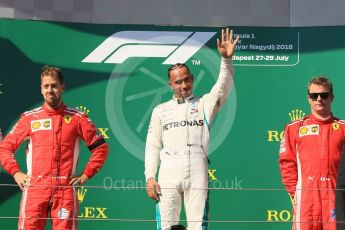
[177, 46]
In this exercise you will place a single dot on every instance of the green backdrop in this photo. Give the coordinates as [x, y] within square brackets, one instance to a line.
[272, 67]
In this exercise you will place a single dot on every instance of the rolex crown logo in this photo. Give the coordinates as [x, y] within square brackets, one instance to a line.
[83, 109]
[296, 114]
[81, 194]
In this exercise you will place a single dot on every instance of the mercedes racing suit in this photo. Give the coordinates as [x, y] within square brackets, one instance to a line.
[52, 155]
[309, 158]
[178, 139]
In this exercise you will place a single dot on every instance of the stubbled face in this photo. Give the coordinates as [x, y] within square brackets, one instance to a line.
[319, 105]
[181, 82]
[51, 90]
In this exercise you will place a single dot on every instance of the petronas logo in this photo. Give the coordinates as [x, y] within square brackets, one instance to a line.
[83, 109]
[296, 114]
[1, 91]
[81, 194]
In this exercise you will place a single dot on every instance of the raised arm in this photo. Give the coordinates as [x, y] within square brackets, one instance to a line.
[221, 90]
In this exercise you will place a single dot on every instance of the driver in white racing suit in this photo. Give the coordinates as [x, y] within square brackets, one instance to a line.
[178, 139]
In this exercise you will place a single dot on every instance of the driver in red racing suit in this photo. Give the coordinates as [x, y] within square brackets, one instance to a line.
[309, 158]
[53, 132]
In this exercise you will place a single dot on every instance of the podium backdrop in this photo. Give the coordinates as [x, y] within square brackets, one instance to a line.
[118, 73]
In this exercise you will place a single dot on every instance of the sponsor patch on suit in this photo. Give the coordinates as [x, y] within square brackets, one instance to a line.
[309, 130]
[43, 124]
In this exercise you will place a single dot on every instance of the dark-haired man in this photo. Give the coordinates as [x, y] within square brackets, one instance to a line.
[178, 138]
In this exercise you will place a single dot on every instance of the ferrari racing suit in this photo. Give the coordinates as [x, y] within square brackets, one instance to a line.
[178, 139]
[52, 155]
[309, 158]
[340, 195]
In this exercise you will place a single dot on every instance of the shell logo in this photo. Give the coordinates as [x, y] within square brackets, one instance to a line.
[36, 125]
[303, 130]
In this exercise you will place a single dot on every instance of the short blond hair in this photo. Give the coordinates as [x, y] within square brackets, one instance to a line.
[321, 80]
[52, 71]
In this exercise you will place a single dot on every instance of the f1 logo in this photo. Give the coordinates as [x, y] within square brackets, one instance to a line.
[177, 46]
